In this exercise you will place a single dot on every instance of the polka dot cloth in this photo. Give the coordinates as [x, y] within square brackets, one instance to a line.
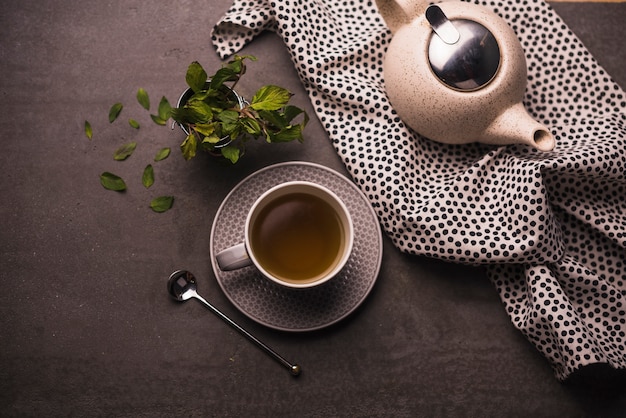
[551, 227]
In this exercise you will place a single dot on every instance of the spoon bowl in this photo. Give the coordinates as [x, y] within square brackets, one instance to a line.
[182, 285]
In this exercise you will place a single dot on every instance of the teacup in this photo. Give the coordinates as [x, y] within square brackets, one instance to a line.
[298, 234]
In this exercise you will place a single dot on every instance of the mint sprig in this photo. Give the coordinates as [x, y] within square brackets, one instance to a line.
[213, 113]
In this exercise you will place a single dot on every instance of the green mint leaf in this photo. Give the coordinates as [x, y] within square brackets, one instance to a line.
[193, 113]
[88, 130]
[159, 121]
[270, 98]
[196, 76]
[221, 76]
[228, 117]
[231, 153]
[147, 179]
[209, 141]
[237, 64]
[205, 129]
[251, 126]
[143, 99]
[290, 113]
[164, 108]
[162, 154]
[133, 123]
[199, 112]
[124, 151]
[275, 118]
[229, 123]
[112, 182]
[189, 147]
[286, 135]
[162, 203]
[179, 114]
[115, 111]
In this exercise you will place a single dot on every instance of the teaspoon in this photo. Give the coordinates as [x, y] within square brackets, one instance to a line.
[182, 287]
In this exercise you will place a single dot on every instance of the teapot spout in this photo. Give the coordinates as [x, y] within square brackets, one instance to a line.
[516, 126]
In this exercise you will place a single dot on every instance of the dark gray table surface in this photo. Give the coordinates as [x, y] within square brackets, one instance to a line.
[86, 325]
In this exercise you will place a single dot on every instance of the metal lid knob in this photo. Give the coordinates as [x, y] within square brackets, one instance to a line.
[462, 53]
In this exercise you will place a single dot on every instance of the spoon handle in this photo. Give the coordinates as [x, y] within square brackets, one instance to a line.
[293, 368]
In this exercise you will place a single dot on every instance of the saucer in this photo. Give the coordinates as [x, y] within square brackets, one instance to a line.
[287, 309]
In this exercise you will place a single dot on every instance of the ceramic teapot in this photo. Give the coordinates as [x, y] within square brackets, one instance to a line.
[455, 72]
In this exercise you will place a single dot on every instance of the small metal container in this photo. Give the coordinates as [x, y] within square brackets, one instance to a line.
[187, 94]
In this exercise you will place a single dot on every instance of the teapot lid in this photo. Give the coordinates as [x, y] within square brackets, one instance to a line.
[462, 53]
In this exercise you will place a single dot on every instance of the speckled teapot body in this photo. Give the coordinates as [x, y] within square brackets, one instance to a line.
[492, 113]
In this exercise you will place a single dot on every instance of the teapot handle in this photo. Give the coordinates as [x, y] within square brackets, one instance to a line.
[398, 13]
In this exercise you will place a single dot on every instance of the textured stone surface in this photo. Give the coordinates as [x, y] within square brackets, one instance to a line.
[86, 325]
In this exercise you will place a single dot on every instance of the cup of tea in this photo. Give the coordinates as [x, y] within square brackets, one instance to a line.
[298, 234]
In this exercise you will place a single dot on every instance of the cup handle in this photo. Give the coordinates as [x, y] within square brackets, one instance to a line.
[233, 258]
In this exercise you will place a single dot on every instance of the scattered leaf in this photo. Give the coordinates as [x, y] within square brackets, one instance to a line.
[114, 112]
[162, 154]
[133, 123]
[112, 182]
[147, 179]
[162, 203]
[88, 130]
[124, 151]
[143, 99]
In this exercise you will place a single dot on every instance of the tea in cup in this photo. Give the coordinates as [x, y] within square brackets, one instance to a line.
[298, 234]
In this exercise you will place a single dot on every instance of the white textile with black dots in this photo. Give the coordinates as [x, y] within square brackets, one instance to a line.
[551, 227]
